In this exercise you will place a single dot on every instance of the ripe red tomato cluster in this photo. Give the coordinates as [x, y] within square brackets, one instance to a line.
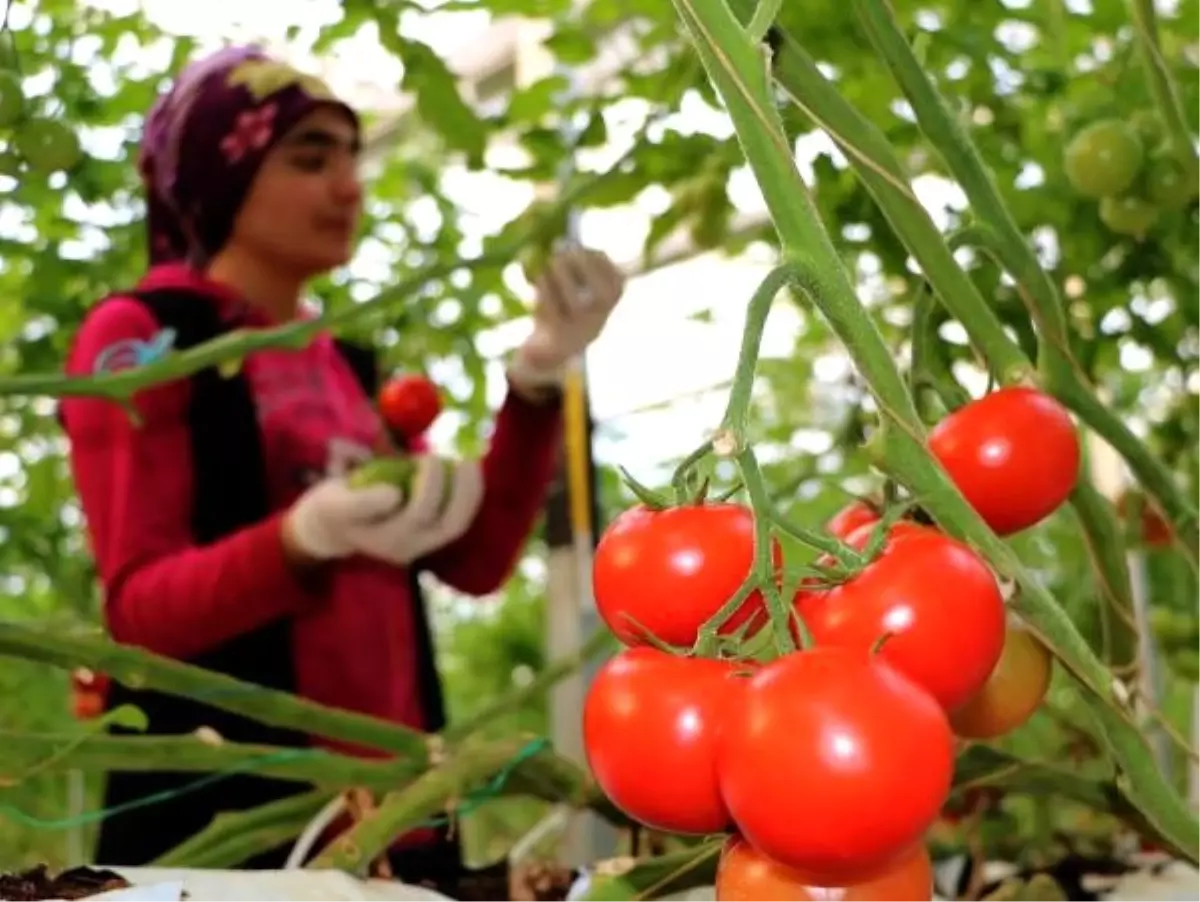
[829, 764]
[409, 404]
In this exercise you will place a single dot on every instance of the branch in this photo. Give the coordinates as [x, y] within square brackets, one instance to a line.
[1161, 84]
[138, 669]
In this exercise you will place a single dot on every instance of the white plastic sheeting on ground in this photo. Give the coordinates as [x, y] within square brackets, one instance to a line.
[170, 884]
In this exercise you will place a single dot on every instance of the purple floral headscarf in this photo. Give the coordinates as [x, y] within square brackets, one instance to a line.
[205, 139]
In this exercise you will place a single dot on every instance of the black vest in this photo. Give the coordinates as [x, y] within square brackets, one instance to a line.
[229, 493]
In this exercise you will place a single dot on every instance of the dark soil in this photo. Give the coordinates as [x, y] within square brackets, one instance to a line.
[76, 883]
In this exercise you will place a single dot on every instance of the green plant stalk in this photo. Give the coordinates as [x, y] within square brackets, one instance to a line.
[876, 163]
[234, 836]
[928, 367]
[190, 753]
[600, 641]
[1159, 80]
[1106, 548]
[139, 669]
[736, 67]
[407, 808]
[1060, 374]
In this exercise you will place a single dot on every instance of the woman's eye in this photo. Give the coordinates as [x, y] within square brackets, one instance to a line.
[309, 163]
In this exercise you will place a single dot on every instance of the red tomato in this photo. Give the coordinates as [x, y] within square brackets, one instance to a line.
[746, 875]
[851, 517]
[650, 722]
[409, 404]
[669, 571]
[935, 596]
[1014, 454]
[834, 764]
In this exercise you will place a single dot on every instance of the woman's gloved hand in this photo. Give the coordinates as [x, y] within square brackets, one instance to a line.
[575, 295]
[333, 519]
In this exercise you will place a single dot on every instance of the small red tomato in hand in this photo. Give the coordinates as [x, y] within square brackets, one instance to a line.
[650, 722]
[666, 572]
[834, 765]
[1014, 454]
[938, 600]
[746, 875]
[851, 517]
[409, 404]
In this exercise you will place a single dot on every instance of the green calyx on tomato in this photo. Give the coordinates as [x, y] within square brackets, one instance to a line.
[1014, 454]
[1103, 158]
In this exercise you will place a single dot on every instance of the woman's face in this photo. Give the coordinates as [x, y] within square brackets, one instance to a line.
[303, 208]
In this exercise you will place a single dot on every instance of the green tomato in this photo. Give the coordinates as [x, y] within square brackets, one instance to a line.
[1149, 126]
[1169, 184]
[1128, 214]
[1103, 159]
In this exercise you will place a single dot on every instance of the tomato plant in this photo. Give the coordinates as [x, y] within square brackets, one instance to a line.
[1104, 158]
[937, 600]
[650, 722]
[1014, 454]
[833, 763]
[1012, 693]
[746, 875]
[668, 571]
[409, 404]
[851, 517]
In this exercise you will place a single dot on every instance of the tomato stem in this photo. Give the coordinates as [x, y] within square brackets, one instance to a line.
[708, 635]
[778, 608]
[737, 409]
[686, 493]
[821, 541]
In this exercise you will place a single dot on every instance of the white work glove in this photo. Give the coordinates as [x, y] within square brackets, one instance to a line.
[333, 520]
[575, 295]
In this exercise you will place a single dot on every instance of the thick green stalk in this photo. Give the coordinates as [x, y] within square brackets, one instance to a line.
[137, 669]
[1106, 548]
[464, 774]
[1158, 78]
[876, 163]
[735, 65]
[235, 836]
[1061, 375]
[25, 751]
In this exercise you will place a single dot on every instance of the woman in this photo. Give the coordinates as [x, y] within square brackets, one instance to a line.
[223, 529]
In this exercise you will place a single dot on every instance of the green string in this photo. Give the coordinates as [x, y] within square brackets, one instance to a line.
[471, 800]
